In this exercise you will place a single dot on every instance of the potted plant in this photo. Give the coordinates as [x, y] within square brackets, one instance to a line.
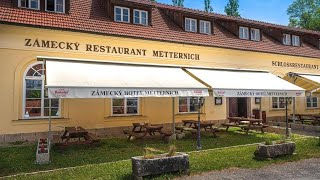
[272, 149]
[43, 151]
[152, 164]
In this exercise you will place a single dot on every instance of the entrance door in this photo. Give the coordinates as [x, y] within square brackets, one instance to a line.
[238, 107]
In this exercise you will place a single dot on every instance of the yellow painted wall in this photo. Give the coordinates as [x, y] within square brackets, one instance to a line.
[96, 113]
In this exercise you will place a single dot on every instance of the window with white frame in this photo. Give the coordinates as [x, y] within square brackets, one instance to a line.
[125, 106]
[190, 25]
[205, 27]
[255, 34]
[31, 4]
[278, 102]
[140, 17]
[312, 102]
[36, 101]
[243, 32]
[121, 14]
[286, 39]
[185, 104]
[55, 6]
[295, 40]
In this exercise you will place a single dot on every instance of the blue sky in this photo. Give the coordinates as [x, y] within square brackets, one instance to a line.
[273, 11]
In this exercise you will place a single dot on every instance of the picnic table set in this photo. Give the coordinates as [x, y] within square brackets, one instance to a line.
[75, 135]
[303, 118]
[141, 130]
[246, 124]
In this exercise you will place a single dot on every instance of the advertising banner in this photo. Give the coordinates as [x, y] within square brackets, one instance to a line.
[123, 93]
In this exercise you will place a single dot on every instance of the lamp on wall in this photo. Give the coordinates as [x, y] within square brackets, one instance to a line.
[201, 102]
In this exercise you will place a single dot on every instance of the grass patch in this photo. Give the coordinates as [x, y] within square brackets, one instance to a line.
[21, 159]
[218, 159]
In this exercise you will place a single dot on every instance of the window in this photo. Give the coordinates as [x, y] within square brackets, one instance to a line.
[125, 106]
[140, 17]
[205, 27]
[55, 6]
[255, 34]
[191, 25]
[185, 105]
[36, 102]
[312, 102]
[278, 102]
[295, 40]
[31, 4]
[121, 14]
[244, 33]
[286, 39]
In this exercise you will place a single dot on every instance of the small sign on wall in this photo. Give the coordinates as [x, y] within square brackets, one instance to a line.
[218, 100]
[257, 100]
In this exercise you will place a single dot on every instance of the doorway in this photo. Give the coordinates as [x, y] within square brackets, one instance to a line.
[238, 107]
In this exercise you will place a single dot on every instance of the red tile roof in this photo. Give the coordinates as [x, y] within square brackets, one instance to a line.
[89, 16]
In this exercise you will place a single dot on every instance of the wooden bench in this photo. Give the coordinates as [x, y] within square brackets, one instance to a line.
[256, 127]
[93, 138]
[230, 125]
[131, 134]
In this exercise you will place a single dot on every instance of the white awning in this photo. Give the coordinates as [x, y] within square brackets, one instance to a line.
[309, 82]
[237, 83]
[75, 79]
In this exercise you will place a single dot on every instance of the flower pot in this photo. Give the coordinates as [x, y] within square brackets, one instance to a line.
[270, 151]
[159, 165]
[43, 152]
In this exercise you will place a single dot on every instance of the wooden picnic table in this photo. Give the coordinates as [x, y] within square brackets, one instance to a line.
[189, 123]
[315, 118]
[245, 123]
[81, 136]
[140, 130]
[206, 125]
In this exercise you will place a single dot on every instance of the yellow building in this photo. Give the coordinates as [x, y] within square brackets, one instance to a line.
[136, 31]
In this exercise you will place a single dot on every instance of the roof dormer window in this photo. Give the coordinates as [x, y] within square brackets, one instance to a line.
[140, 17]
[255, 34]
[295, 40]
[30, 4]
[57, 6]
[286, 39]
[291, 40]
[243, 32]
[121, 14]
[205, 27]
[190, 25]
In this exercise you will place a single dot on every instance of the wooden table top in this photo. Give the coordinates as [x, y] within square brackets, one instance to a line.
[74, 130]
[245, 119]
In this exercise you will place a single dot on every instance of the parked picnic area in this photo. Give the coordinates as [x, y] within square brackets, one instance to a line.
[109, 152]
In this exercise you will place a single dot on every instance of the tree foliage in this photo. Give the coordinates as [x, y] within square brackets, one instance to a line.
[178, 3]
[207, 6]
[232, 8]
[305, 14]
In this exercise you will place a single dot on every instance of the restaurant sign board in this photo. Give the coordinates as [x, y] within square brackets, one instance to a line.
[257, 93]
[84, 92]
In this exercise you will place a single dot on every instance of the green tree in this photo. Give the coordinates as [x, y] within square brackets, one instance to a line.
[153, 0]
[178, 3]
[207, 6]
[305, 14]
[232, 8]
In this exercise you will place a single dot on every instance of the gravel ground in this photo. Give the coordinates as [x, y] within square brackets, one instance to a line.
[303, 170]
